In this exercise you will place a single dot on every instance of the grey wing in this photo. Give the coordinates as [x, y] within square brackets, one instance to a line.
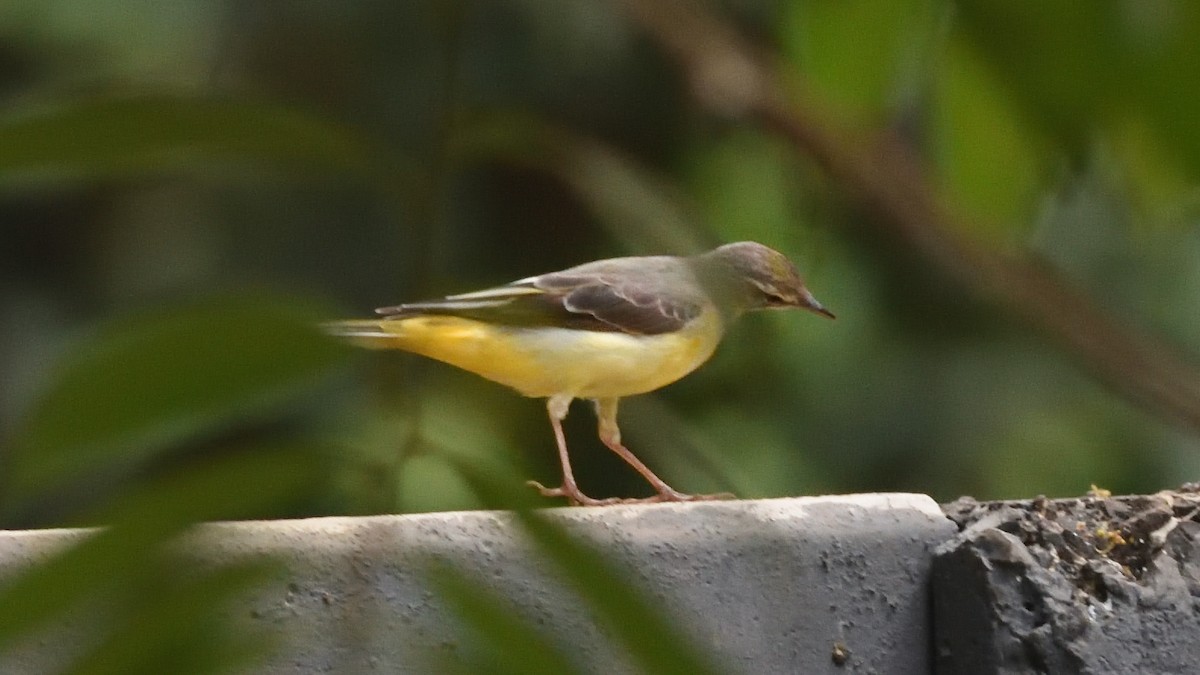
[637, 304]
[610, 296]
[520, 304]
[491, 298]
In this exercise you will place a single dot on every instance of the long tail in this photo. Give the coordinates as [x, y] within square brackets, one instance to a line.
[475, 346]
[363, 333]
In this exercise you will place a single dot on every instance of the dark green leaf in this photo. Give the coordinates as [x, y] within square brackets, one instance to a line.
[636, 206]
[115, 137]
[857, 52]
[143, 384]
[230, 486]
[512, 643]
[650, 635]
[988, 157]
[179, 623]
[1061, 62]
[1079, 68]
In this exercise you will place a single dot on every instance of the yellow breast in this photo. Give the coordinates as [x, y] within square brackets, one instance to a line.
[550, 361]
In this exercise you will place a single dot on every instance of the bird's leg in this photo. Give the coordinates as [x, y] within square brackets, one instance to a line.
[557, 406]
[610, 434]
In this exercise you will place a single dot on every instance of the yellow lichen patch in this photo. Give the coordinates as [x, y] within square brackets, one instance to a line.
[1107, 540]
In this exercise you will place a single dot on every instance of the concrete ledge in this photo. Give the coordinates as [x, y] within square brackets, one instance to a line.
[770, 586]
[1098, 584]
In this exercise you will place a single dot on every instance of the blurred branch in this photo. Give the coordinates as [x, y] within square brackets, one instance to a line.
[729, 78]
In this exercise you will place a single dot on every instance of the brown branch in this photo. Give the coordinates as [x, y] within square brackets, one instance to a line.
[728, 78]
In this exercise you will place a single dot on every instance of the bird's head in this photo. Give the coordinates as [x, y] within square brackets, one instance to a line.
[753, 276]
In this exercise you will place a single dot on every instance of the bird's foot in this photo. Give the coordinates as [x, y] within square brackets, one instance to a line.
[576, 497]
[573, 495]
[673, 495]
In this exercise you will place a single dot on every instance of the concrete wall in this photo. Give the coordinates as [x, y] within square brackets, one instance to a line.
[880, 583]
[806, 585]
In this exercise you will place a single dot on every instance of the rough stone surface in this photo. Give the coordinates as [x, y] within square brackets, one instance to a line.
[806, 585]
[1098, 584]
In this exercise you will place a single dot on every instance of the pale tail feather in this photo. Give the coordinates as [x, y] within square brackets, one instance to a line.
[491, 297]
[517, 288]
[362, 332]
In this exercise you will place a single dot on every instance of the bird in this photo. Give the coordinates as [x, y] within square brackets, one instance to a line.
[603, 330]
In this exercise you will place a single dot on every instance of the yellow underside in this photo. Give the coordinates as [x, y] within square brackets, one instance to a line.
[552, 361]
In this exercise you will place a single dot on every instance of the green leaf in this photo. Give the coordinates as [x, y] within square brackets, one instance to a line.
[117, 557]
[1116, 72]
[857, 53]
[177, 627]
[988, 158]
[650, 635]
[1061, 62]
[512, 643]
[122, 136]
[144, 384]
[1163, 88]
[746, 182]
[1155, 171]
[637, 207]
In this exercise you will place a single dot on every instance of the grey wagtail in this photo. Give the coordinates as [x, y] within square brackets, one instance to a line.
[601, 330]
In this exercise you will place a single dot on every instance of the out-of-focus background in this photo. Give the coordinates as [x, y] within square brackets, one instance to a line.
[999, 201]
[178, 167]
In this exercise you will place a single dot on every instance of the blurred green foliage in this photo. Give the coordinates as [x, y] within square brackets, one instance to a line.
[513, 643]
[149, 384]
[182, 183]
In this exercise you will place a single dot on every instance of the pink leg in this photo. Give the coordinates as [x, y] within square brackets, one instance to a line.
[610, 434]
[557, 407]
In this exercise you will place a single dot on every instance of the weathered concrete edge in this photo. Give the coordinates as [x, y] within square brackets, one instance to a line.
[1100, 584]
[772, 585]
